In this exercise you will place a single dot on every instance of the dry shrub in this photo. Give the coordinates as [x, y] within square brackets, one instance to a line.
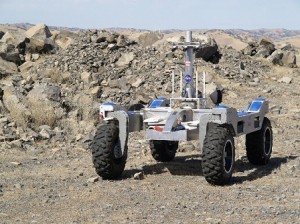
[19, 114]
[43, 113]
[57, 76]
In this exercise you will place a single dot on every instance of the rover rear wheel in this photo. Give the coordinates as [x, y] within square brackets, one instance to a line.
[259, 144]
[163, 151]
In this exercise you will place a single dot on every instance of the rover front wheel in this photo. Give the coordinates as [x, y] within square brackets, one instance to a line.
[218, 155]
[108, 159]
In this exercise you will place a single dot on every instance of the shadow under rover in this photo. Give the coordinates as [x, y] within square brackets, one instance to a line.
[181, 165]
[190, 165]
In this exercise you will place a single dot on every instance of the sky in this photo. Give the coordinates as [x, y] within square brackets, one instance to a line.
[154, 14]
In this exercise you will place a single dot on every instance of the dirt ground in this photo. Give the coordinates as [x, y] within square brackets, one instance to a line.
[57, 183]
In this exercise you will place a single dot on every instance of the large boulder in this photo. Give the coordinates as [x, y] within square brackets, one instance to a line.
[12, 38]
[1, 34]
[208, 48]
[64, 38]
[11, 57]
[38, 40]
[105, 36]
[148, 39]
[125, 59]
[276, 57]
[265, 47]
[250, 49]
[12, 102]
[9, 38]
[283, 58]
[289, 59]
[39, 46]
[44, 104]
[39, 31]
[26, 67]
[64, 42]
[45, 92]
[8, 50]
[9, 53]
[7, 68]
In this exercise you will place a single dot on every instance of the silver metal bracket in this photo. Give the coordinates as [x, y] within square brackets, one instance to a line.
[123, 120]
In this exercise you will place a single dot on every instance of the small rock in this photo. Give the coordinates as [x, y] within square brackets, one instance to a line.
[18, 186]
[267, 91]
[104, 83]
[252, 83]
[16, 143]
[137, 82]
[79, 137]
[125, 59]
[138, 176]
[86, 77]
[286, 80]
[16, 163]
[44, 133]
[54, 150]
[3, 120]
[35, 57]
[93, 179]
[186, 147]
[96, 91]
[256, 80]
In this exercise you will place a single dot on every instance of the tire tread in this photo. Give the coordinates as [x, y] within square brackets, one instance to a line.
[104, 162]
[212, 157]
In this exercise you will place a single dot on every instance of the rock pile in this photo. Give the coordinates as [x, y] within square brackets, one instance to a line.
[28, 45]
[265, 48]
[239, 67]
[53, 81]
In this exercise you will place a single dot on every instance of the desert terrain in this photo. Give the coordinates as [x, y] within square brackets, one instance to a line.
[51, 83]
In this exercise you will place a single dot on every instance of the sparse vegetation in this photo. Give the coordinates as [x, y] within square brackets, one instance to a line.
[19, 113]
[43, 113]
[57, 76]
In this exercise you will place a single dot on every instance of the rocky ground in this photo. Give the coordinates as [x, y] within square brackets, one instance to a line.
[50, 90]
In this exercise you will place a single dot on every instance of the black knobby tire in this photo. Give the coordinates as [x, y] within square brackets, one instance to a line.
[218, 155]
[163, 151]
[259, 144]
[108, 160]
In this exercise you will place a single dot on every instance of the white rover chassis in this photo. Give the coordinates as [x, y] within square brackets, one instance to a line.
[168, 121]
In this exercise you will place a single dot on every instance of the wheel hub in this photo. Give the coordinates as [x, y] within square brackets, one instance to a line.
[117, 151]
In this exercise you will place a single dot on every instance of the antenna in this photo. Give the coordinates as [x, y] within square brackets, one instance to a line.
[173, 83]
[196, 94]
[204, 86]
[181, 83]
